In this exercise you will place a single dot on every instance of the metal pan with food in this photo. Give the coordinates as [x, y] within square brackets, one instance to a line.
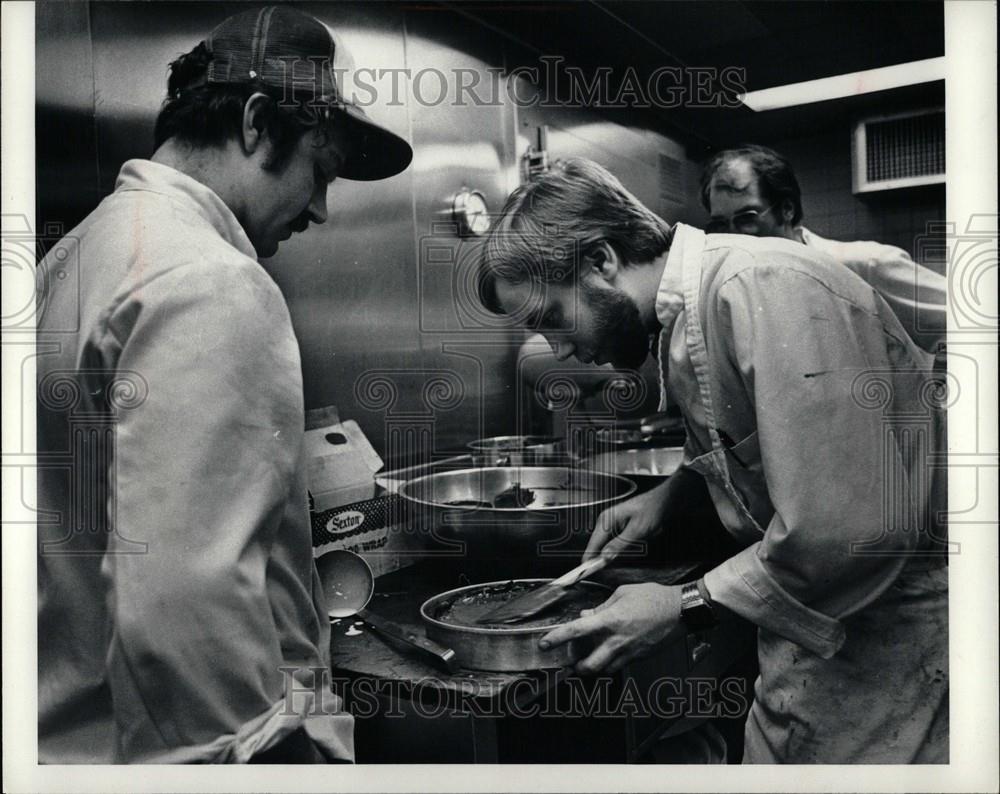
[527, 512]
[452, 619]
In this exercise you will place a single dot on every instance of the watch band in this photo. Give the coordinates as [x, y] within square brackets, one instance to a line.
[696, 611]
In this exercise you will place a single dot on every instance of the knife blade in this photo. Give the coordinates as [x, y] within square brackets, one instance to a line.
[530, 604]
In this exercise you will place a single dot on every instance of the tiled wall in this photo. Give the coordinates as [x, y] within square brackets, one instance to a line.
[897, 217]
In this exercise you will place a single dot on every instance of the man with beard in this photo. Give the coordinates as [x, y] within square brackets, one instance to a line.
[772, 352]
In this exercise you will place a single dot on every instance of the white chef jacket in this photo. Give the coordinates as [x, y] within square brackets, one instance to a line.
[811, 414]
[915, 293]
[175, 566]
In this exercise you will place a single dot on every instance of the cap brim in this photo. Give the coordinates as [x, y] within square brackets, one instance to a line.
[377, 153]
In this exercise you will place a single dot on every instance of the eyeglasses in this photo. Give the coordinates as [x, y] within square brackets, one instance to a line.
[746, 222]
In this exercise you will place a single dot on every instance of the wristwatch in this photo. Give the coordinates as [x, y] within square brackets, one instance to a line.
[696, 611]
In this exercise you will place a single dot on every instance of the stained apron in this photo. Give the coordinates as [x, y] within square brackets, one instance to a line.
[883, 697]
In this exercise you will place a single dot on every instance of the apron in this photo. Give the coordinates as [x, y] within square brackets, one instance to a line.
[883, 697]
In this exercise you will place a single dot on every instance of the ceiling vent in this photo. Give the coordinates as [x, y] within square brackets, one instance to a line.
[901, 150]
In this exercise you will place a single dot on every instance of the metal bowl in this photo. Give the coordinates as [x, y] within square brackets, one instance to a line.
[618, 437]
[500, 649]
[553, 514]
[518, 451]
[661, 429]
[647, 467]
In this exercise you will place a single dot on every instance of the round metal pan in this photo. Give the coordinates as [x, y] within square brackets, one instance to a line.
[459, 509]
[518, 451]
[647, 467]
[507, 649]
[656, 430]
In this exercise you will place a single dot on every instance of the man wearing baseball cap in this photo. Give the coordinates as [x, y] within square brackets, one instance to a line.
[180, 613]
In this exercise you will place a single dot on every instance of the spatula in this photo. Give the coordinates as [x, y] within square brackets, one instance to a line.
[530, 604]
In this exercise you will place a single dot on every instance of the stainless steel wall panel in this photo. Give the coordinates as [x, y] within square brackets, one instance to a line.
[630, 152]
[379, 295]
[67, 173]
[350, 283]
[458, 143]
[133, 45]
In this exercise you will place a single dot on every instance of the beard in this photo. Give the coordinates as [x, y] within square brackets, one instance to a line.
[621, 337]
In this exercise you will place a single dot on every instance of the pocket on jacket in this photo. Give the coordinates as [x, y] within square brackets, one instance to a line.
[745, 453]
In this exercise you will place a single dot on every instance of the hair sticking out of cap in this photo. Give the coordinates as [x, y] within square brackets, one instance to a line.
[288, 55]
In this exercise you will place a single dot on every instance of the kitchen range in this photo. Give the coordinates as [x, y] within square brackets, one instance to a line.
[456, 541]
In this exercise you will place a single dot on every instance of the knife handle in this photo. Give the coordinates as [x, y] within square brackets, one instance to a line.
[434, 653]
[591, 566]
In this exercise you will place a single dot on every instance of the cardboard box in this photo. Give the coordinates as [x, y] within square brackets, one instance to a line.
[374, 528]
[341, 461]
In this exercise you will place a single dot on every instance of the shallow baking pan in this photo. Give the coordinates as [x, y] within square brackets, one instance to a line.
[507, 648]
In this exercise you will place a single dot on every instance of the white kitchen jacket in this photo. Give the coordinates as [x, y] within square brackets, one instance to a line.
[178, 598]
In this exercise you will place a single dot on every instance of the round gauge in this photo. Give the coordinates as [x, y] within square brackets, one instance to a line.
[470, 212]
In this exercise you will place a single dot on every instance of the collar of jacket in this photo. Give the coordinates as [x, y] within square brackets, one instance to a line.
[164, 180]
[670, 293]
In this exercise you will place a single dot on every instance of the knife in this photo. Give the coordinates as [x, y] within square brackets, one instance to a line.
[532, 603]
[414, 643]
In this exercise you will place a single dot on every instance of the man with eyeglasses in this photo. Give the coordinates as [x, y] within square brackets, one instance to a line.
[753, 190]
[784, 366]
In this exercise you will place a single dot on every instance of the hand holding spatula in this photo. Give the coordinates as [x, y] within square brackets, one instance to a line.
[532, 603]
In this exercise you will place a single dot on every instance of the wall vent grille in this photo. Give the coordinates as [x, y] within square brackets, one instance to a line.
[899, 151]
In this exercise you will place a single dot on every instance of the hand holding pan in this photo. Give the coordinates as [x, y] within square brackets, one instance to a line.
[348, 584]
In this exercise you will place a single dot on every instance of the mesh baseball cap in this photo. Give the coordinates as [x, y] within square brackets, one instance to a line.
[283, 48]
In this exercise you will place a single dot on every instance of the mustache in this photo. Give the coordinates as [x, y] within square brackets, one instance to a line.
[301, 223]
